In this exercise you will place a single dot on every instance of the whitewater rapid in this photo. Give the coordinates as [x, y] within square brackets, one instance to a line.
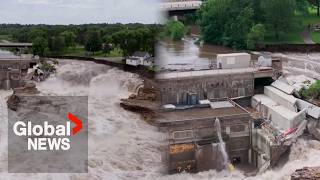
[121, 144]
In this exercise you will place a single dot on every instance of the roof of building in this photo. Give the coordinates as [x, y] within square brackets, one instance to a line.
[233, 54]
[199, 113]
[186, 74]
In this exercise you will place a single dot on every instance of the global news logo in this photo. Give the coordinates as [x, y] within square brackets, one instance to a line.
[48, 136]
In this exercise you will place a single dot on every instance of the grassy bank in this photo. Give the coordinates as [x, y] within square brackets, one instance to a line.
[6, 38]
[80, 51]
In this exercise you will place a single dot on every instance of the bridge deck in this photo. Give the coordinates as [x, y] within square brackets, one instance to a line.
[15, 45]
[184, 5]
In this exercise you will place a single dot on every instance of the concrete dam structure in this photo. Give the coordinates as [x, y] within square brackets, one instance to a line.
[196, 140]
[12, 71]
[209, 84]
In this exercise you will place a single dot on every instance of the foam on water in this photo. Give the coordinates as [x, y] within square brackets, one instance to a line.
[121, 144]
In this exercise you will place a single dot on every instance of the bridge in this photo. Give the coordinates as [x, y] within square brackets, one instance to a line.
[180, 7]
[15, 45]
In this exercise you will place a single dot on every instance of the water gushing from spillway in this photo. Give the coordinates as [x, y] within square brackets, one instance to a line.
[222, 144]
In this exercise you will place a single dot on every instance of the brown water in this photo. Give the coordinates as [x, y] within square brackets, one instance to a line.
[6, 54]
[186, 55]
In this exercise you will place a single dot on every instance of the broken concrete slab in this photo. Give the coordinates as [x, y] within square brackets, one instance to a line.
[260, 102]
[312, 110]
[283, 87]
[281, 98]
[284, 118]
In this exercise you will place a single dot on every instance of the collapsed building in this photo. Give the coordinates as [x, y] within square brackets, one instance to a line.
[259, 117]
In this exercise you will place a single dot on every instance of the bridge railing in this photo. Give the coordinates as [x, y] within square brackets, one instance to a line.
[183, 5]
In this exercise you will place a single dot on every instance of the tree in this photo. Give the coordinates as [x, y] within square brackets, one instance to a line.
[175, 30]
[279, 15]
[69, 38]
[107, 39]
[37, 32]
[213, 16]
[256, 36]
[237, 30]
[302, 6]
[93, 41]
[127, 40]
[258, 16]
[40, 46]
[57, 45]
[315, 3]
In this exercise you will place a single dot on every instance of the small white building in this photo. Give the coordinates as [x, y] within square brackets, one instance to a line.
[233, 60]
[140, 58]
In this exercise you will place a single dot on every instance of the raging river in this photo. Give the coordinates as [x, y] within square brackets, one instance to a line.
[121, 144]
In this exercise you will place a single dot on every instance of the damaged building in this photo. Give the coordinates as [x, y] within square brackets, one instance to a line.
[232, 80]
[255, 134]
[194, 143]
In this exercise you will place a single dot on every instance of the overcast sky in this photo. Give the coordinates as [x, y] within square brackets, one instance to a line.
[78, 11]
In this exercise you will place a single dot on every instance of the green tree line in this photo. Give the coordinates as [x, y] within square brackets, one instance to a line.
[244, 24]
[56, 39]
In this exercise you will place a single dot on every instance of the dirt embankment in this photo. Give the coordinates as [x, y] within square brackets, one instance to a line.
[145, 101]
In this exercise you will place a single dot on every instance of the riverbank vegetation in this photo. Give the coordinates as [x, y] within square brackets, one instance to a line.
[96, 40]
[248, 24]
[313, 92]
[175, 30]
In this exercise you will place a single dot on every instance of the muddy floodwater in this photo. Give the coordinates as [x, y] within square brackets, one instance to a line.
[121, 144]
[187, 55]
[6, 54]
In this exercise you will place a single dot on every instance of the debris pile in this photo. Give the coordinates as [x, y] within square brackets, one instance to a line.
[28, 88]
[42, 70]
[306, 174]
